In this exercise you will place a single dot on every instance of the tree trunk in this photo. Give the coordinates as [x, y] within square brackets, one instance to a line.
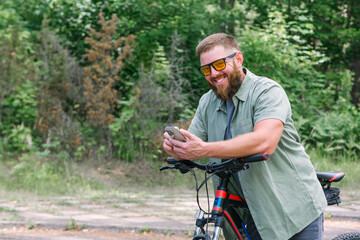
[355, 92]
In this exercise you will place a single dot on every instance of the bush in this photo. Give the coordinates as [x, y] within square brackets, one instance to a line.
[19, 113]
[322, 111]
[334, 132]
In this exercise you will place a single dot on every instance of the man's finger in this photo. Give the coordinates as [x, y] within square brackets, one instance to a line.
[186, 133]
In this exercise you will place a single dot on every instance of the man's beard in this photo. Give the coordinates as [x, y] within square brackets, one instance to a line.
[224, 93]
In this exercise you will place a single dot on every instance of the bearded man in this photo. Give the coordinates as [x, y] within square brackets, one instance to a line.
[245, 114]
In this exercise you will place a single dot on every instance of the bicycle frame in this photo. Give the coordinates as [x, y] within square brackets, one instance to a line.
[222, 207]
[224, 203]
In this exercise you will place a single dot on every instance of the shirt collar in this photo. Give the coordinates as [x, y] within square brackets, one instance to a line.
[245, 86]
[241, 94]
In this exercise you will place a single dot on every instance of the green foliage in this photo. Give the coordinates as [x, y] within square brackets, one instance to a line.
[72, 225]
[331, 28]
[8, 16]
[138, 124]
[144, 230]
[19, 114]
[152, 22]
[30, 13]
[18, 138]
[334, 132]
[18, 90]
[337, 27]
[159, 97]
[17, 65]
[338, 85]
[20, 105]
[126, 137]
[320, 101]
[60, 97]
[305, 46]
[271, 54]
[53, 83]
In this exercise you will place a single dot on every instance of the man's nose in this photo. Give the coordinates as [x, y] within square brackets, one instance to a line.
[213, 71]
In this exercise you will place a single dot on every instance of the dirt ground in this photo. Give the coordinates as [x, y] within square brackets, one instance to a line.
[40, 233]
[333, 228]
[156, 205]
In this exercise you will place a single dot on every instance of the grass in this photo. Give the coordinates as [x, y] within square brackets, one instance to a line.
[349, 165]
[9, 214]
[43, 176]
[64, 203]
[54, 177]
[72, 225]
[2, 209]
[144, 230]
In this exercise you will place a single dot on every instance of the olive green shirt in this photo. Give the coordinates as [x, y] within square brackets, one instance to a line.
[283, 194]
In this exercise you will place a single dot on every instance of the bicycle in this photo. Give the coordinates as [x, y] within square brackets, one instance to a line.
[223, 213]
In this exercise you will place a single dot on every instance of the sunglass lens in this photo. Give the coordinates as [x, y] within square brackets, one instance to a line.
[205, 70]
[219, 65]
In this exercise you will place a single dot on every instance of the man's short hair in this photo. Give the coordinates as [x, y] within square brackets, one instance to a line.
[221, 39]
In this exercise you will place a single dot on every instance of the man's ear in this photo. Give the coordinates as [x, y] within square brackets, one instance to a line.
[239, 59]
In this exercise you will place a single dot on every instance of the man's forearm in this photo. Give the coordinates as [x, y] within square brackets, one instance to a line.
[264, 138]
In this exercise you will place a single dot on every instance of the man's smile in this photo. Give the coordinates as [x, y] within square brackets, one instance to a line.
[218, 80]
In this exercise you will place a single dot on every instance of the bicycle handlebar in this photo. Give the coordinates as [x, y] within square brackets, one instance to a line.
[231, 164]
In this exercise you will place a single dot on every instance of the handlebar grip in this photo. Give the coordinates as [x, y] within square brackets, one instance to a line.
[256, 158]
[171, 160]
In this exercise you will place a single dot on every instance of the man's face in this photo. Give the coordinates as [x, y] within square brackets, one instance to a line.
[225, 83]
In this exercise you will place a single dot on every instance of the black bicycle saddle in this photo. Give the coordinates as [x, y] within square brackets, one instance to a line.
[331, 176]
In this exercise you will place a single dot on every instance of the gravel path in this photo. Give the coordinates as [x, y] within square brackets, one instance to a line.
[144, 216]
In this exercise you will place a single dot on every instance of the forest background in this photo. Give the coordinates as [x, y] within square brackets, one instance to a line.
[87, 86]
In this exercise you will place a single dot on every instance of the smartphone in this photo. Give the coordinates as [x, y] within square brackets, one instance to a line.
[174, 132]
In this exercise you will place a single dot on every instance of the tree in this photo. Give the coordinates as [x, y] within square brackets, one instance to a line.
[102, 74]
[59, 93]
[17, 86]
[105, 56]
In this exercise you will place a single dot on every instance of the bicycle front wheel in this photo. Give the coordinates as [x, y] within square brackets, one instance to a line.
[234, 227]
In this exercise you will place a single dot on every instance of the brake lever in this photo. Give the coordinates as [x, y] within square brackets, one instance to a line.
[166, 168]
[182, 168]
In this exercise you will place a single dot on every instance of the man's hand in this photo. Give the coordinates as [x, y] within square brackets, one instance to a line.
[169, 146]
[192, 149]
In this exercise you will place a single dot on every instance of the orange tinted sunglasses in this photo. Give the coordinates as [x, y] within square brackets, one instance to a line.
[218, 65]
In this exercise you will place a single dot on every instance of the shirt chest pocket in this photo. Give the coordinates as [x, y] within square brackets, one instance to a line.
[242, 126]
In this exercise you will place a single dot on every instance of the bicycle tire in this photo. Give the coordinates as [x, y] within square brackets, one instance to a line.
[348, 236]
[232, 226]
